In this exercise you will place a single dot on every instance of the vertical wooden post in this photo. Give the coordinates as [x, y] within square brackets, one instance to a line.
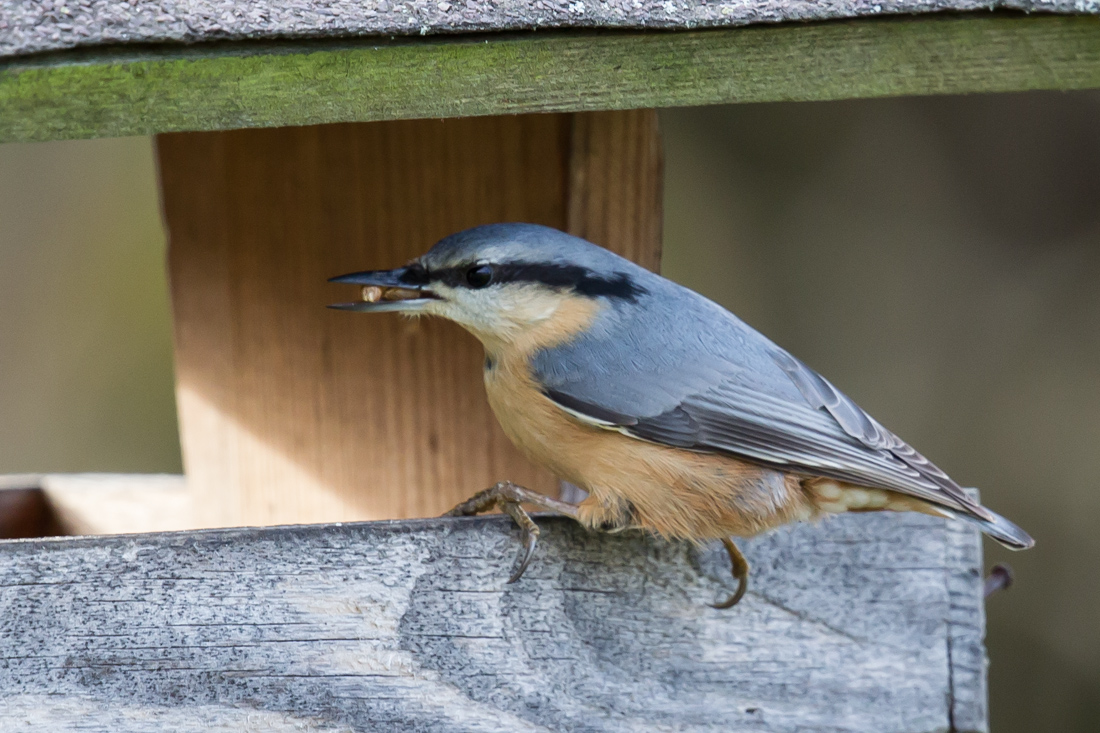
[290, 412]
[616, 182]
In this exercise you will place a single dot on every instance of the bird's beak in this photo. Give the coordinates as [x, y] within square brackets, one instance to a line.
[385, 290]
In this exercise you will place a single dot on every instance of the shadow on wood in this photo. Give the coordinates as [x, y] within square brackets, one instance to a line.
[26, 512]
[863, 623]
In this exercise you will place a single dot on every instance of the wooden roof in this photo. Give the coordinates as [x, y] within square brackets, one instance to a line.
[51, 25]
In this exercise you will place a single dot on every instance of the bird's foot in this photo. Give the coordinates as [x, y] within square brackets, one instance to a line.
[740, 569]
[1000, 578]
[509, 497]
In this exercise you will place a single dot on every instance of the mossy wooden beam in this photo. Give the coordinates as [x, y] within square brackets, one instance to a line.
[106, 93]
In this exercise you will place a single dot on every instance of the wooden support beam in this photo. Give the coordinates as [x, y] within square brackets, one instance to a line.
[214, 86]
[616, 183]
[865, 623]
[290, 412]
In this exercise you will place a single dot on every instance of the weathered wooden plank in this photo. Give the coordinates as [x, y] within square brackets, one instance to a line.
[44, 26]
[224, 86]
[862, 623]
[290, 412]
[966, 653]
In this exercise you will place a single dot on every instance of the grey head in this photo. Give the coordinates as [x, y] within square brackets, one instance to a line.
[531, 245]
[497, 278]
[516, 253]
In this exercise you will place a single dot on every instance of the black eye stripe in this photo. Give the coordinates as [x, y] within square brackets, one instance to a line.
[566, 277]
[415, 274]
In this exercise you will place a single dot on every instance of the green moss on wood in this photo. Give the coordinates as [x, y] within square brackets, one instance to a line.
[113, 93]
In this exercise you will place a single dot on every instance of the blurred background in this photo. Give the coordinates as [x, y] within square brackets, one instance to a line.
[936, 258]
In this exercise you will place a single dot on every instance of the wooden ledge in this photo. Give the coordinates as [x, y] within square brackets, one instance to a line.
[863, 623]
[46, 505]
[140, 91]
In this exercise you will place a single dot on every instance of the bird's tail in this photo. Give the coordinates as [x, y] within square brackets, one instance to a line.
[1000, 529]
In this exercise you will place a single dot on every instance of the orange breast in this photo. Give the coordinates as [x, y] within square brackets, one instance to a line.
[674, 492]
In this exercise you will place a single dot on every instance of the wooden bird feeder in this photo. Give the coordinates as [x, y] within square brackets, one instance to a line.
[300, 140]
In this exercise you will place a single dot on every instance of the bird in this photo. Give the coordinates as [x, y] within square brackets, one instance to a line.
[674, 415]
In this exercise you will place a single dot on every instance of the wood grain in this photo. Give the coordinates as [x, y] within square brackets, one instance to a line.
[290, 412]
[142, 90]
[862, 623]
[616, 183]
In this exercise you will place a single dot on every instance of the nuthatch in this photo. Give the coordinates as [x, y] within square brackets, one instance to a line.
[674, 415]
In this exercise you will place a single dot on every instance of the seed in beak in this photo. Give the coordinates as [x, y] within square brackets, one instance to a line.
[372, 293]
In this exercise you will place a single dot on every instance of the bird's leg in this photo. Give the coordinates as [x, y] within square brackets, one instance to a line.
[740, 569]
[509, 497]
[506, 491]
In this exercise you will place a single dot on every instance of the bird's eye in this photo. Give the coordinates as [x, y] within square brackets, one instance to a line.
[479, 276]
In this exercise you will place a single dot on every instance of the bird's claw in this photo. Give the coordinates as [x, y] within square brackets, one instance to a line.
[529, 534]
[740, 569]
[508, 497]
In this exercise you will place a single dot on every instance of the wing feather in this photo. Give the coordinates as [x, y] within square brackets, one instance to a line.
[819, 392]
[679, 370]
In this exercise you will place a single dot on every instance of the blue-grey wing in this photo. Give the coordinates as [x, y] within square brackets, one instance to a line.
[681, 371]
[821, 394]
